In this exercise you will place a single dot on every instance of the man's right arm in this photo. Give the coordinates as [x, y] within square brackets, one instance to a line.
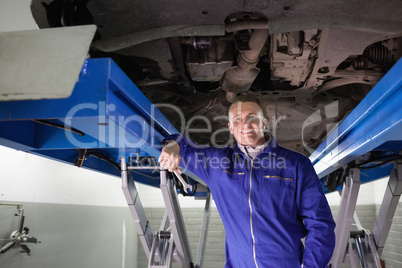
[170, 157]
[181, 151]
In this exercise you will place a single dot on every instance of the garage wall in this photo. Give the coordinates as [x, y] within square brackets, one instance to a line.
[80, 216]
[71, 236]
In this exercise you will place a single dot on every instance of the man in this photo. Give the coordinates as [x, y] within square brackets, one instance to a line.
[268, 197]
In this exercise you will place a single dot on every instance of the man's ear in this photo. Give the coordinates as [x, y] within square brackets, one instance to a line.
[230, 128]
[264, 123]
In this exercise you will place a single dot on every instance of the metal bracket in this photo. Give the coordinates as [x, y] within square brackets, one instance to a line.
[19, 238]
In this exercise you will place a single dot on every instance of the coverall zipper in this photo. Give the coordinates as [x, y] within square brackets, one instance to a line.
[251, 213]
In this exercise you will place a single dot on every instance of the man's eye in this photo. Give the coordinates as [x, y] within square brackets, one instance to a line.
[237, 119]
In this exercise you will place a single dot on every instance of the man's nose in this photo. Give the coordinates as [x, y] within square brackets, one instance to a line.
[247, 123]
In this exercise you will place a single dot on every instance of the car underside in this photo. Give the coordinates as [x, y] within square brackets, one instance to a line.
[309, 63]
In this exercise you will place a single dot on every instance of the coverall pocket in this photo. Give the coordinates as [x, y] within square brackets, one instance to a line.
[278, 194]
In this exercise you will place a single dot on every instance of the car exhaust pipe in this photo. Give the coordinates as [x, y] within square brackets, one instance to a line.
[238, 79]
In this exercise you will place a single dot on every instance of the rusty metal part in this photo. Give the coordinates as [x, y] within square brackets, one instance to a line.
[239, 78]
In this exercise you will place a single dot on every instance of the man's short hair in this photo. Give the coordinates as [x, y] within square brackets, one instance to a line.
[248, 98]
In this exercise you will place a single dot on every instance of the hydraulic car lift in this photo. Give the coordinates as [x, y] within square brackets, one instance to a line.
[364, 147]
[108, 125]
[166, 246]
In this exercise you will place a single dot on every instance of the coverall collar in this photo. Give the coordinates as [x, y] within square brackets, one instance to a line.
[270, 149]
[253, 152]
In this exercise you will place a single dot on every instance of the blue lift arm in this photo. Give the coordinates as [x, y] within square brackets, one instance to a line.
[106, 114]
[375, 125]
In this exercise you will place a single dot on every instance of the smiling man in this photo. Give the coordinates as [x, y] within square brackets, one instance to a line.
[266, 209]
[247, 123]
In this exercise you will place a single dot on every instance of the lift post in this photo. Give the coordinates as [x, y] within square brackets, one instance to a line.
[388, 207]
[178, 230]
[344, 222]
[367, 247]
[137, 210]
[167, 245]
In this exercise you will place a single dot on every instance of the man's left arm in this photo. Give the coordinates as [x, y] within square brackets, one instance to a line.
[313, 208]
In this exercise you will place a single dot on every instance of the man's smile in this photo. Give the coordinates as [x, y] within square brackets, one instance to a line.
[248, 132]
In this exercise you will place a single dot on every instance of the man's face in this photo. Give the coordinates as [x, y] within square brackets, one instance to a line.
[246, 123]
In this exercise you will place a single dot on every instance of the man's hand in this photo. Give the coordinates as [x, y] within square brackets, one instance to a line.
[170, 157]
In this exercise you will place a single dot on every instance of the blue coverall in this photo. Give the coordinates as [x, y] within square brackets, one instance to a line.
[267, 205]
